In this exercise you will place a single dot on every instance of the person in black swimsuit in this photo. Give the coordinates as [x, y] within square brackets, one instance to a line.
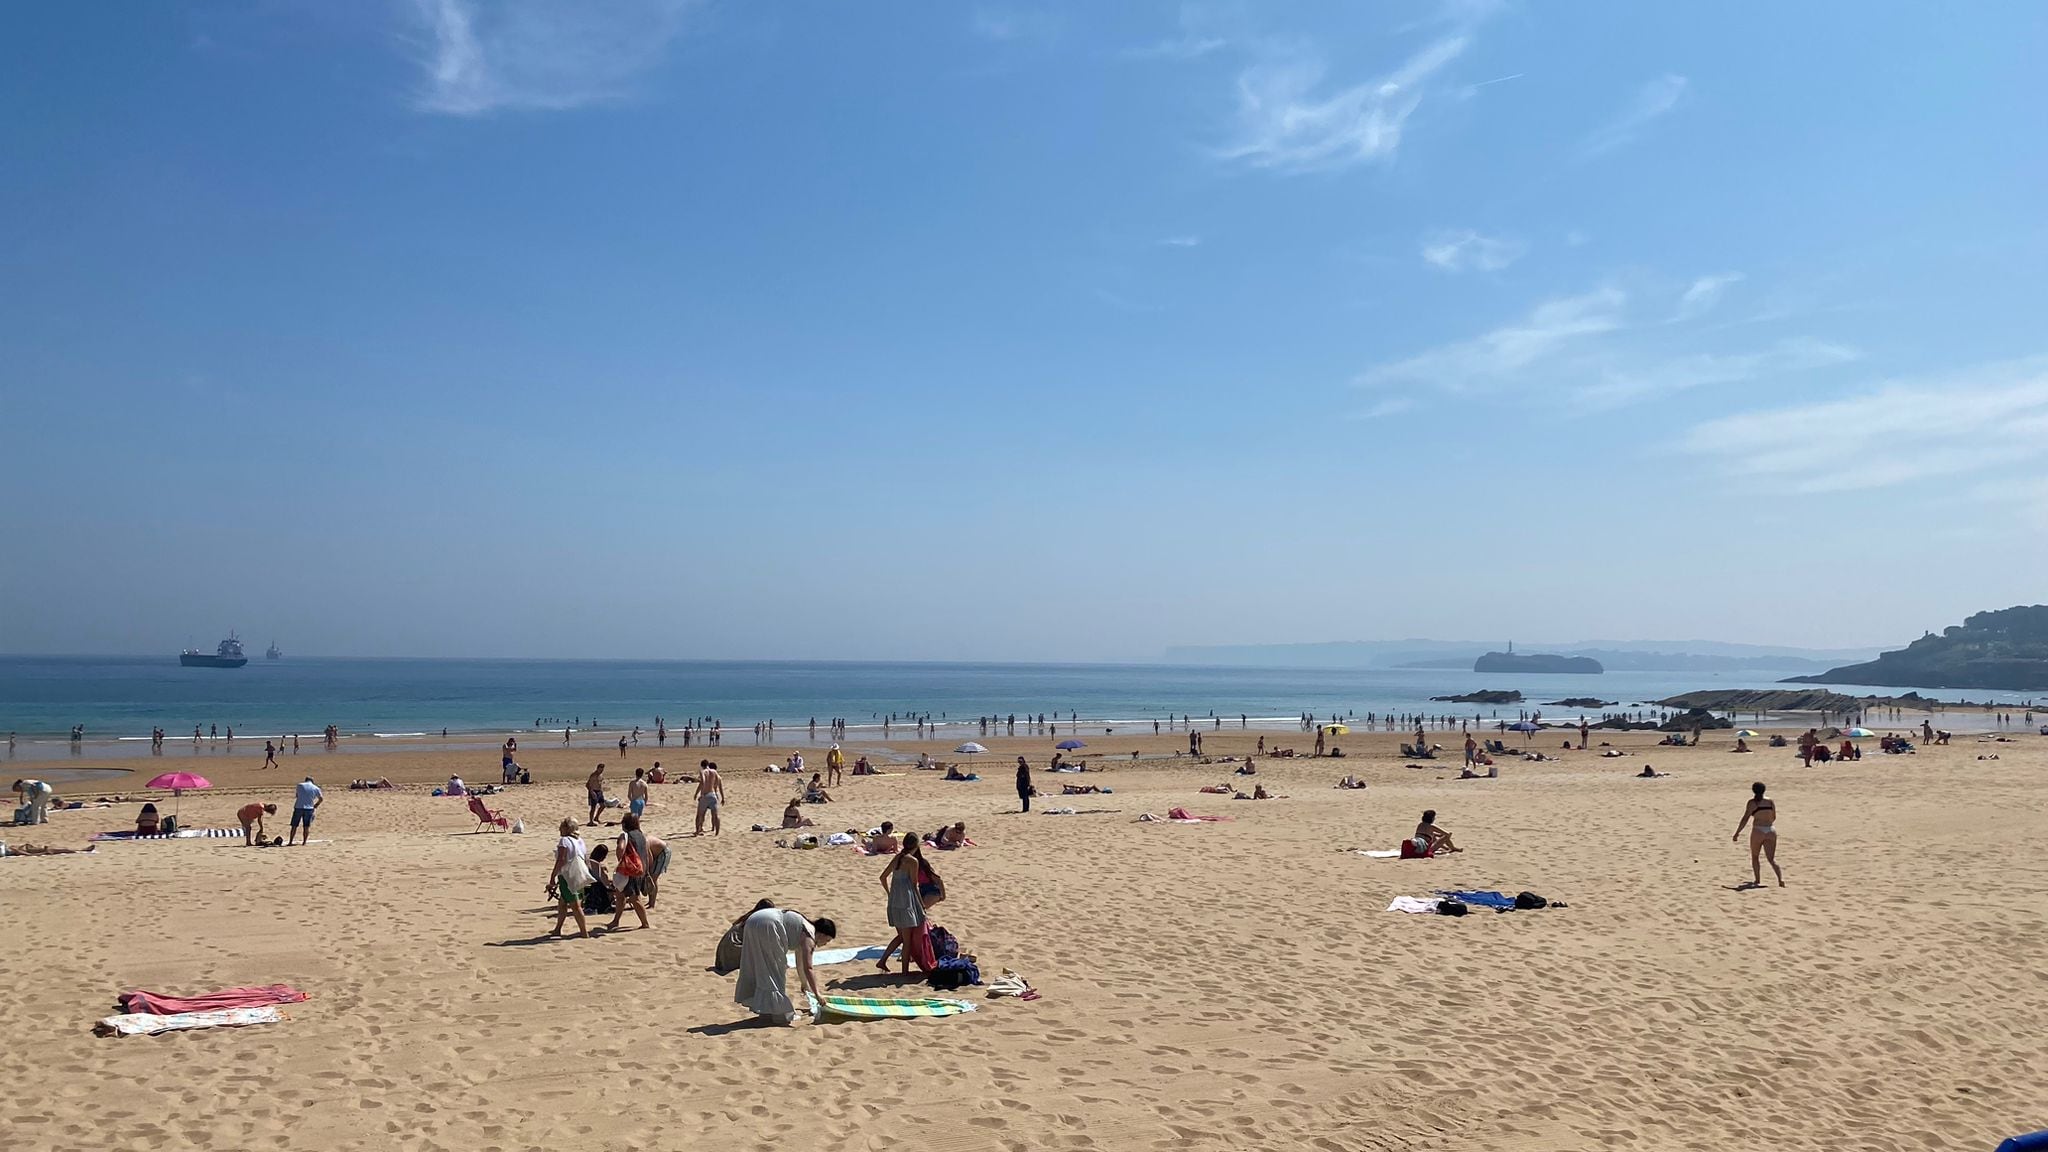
[1763, 834]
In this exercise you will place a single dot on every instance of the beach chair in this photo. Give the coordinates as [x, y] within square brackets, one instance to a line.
[484, 815]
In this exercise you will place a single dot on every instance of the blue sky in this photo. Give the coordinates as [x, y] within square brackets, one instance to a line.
[652, 328]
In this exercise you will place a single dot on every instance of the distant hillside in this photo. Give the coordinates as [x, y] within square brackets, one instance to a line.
[2005, 650]
[1614, 655]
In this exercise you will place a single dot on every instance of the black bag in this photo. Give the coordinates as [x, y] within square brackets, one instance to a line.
[597, 899]
[1449, 907]
[1529, 900]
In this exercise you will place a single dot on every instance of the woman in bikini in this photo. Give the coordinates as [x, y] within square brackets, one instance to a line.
[1761, 816]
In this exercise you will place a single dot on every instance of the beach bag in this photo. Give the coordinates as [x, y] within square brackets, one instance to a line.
[630, 864]
[1449, 907]
[575, 876]
[958, 972]
[597, 900]
[727, 957]
[944, 946]
[1529, 900]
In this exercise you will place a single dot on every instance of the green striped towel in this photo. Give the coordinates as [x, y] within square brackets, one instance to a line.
[885, 1008]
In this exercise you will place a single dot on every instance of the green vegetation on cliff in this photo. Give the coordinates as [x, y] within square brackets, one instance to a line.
[2006, 650]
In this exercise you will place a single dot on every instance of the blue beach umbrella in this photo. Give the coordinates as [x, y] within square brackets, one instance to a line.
[1525, 726]
[1070, 745]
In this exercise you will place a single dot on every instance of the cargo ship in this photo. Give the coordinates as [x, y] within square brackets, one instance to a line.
[227, 655]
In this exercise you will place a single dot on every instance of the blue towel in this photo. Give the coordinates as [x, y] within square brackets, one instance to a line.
[1481, 899]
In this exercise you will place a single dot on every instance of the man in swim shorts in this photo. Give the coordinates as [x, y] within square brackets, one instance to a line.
[304, 803]
[636, 792]
[710, 795]
[593, 786]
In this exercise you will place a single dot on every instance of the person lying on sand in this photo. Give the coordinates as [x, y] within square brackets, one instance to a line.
[1612, 753]
[49, 850]
[1492, 773]
[1351, 782]
[953, 837]
[1219, 789]
[1430, 839]
[793, 817]
[1649, 773]
[1078, 789]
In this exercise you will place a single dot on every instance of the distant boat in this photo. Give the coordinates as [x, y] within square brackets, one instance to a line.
[271, 653]
[227, 655]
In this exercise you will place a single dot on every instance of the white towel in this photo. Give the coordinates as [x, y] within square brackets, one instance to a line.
[1415, 904]
[146, 1024]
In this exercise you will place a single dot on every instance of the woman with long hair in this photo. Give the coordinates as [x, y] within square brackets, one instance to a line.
[906, 908]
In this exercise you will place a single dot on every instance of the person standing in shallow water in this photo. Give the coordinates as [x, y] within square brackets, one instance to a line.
[1761, 815]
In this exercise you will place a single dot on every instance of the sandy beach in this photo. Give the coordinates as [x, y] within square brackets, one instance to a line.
[1218, 986]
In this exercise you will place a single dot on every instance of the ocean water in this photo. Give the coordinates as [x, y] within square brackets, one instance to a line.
[119, 699]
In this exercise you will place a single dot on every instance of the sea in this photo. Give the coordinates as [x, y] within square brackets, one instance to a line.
[118, 700]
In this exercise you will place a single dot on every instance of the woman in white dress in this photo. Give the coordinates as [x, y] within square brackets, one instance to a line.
[766, 940]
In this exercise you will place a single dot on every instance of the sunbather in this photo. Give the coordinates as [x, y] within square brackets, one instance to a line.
[1430, 839]
[883, 841]
[49, 850]
[1351, 782]
[952, 837]
[793, 816]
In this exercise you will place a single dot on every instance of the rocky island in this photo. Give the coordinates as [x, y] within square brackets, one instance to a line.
[1539, 662]
[2004, 650]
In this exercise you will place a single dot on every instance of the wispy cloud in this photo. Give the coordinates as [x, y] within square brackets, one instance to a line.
[1180, 241]
[1004, 25]
[1287, 122]
[1629, 380]
[1979, 421]
[537, 54]
[1465, 249]
[1602, 349]
[1186, 46]
[1550, 330]
[1391, 406]
[1652, 101]
[1704, 294]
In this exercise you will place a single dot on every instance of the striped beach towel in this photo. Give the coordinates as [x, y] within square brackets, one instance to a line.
[180, 834]
[883, 1008]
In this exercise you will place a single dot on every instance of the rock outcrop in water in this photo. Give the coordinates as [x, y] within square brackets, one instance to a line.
[2005, 650]
[1582, 702]
[1485, 696]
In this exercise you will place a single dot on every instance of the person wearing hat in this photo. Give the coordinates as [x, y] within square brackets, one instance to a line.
[835, 762]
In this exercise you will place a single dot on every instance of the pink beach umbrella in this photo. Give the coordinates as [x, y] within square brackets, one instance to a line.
[178, 782]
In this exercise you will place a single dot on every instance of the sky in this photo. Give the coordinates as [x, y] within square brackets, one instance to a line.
[657, 328]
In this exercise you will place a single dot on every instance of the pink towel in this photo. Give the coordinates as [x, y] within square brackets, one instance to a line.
[158, 1004]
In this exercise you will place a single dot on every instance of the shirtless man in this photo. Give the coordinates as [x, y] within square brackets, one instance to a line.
[636, 793]
[594, 787]
[885, 842]
[1432, 839]
[1763, 834]
[710, 796]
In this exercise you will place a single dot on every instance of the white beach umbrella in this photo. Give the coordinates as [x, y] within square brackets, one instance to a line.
[970, 749]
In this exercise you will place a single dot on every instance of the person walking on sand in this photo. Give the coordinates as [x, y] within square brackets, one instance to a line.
[629, 880]
[710, 797]
[568, 878]
[1761, 815]
[305, 801]
[269, 754]
[251, 817]
[1023, 784]
[593, 788]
